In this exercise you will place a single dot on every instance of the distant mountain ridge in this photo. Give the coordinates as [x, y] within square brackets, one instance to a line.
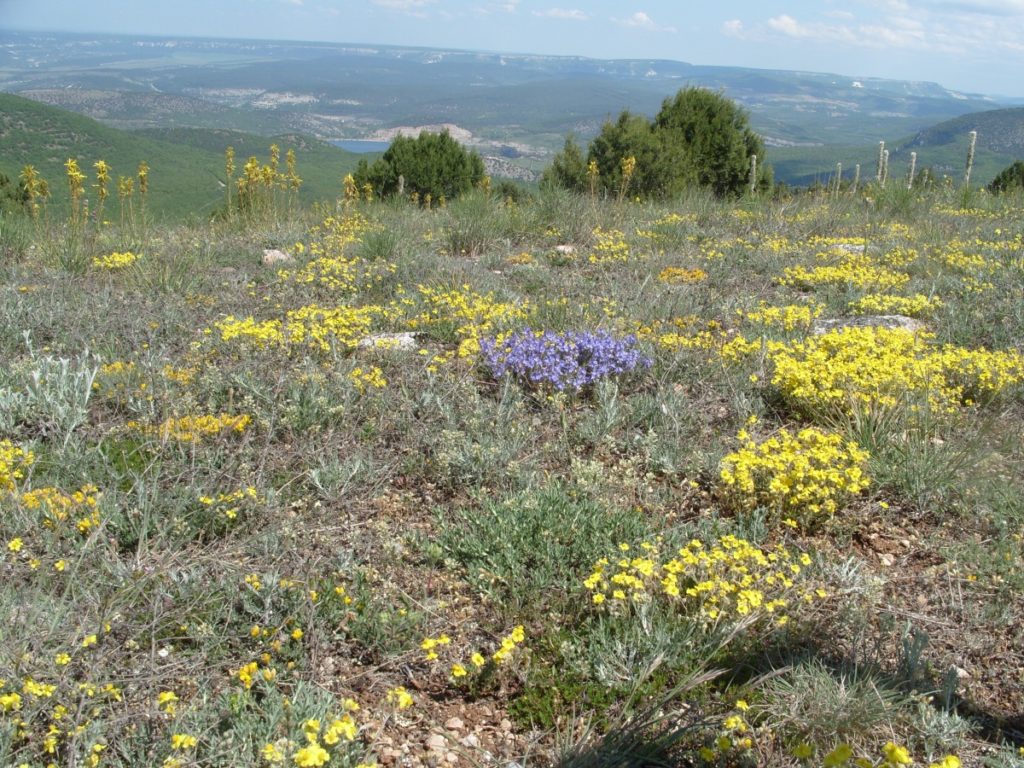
[337, 91]
[999, 130]
[515, 109]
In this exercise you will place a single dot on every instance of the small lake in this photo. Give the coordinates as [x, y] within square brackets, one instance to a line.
[361, 145]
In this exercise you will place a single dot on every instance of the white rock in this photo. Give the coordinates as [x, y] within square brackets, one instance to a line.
[566, 249]
[454, 724]
[273, 256]
[402, 341]
[437, 743]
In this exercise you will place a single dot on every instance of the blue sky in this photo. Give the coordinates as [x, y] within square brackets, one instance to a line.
[969, 45]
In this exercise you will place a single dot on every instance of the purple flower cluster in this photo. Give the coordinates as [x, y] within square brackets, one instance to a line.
[563, 361]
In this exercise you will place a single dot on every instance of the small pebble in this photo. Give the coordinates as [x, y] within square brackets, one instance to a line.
[436, 742]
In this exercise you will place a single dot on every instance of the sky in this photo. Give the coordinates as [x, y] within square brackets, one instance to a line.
[975, 46]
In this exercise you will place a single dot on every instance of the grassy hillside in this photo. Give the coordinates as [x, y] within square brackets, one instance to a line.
[999, 130]
[186, 166]
[320, 164]
[943, 149]
[133, 110]
[569, 483]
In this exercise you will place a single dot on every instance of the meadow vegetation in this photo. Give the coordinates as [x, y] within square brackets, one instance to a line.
[573, 480]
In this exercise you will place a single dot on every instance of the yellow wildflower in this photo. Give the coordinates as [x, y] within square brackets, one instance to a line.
[183, 741]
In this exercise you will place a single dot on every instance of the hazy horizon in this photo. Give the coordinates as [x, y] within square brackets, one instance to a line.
[974, 46]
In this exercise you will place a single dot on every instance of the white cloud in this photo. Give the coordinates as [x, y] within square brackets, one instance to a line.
[787, 25]
[983, 7]
[505, 6]
[641, 20]
[414, 7]
[562, 13]
[892, 32]
[732, 28]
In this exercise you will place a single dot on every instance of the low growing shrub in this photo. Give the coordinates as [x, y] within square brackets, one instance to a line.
[562, 361]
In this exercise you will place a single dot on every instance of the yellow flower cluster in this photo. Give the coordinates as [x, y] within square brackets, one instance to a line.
[10, 702]
[854, 367]
[672, 219]
[808, 474]
[689, 332]
[431, 644]
[120, 381]
[732, 580]
[666, 228]
[341, 729]
[230, 504]
[610, 247]
[14, 460]
[330, 268]
[733, 737]
[46, 728]
[521, 259]
[892, 755]
[366, 379]
[57, 506]
[682, 276]
[470, 315]
[334, 234]
[314, 328]
[855, 269]
[183, 376]
[400, 698]
[183, 741]
[477, 660]
[168, 702]
[823, 245]
[917, 305]
[192, 429]
[507, 647]
[964, 257]
[321, 329]
[117, 368]
[260, 334]
[336, 273]
[115, 260]
[789, 318]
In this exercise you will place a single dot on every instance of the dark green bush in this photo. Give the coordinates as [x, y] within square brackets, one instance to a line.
[1010, 178]
[432, 164]
[699, 138]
